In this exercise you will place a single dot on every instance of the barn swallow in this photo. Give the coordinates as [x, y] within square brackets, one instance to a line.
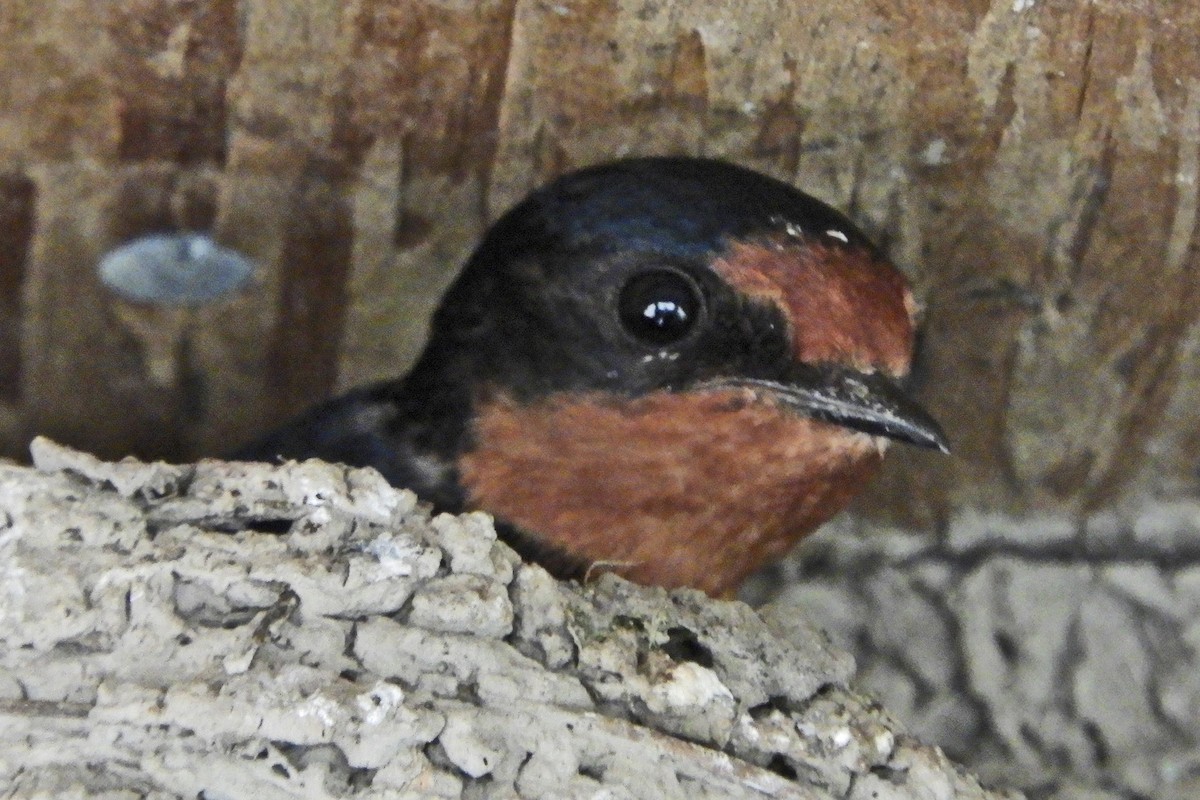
[668, 368]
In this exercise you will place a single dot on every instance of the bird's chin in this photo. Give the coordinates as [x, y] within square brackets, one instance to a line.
[852, 445]
[684, 488]
[849, 441]
[868, 441]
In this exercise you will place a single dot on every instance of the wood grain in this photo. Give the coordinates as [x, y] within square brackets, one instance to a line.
[1032, 166]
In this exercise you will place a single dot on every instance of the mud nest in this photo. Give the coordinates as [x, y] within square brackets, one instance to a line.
[224, 630]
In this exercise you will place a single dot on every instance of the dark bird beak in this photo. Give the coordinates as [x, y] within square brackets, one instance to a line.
[863, 401]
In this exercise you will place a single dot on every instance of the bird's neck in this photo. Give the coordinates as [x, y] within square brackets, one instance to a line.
[695, 489]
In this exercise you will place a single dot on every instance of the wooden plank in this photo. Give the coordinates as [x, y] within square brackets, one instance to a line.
[1031, 165]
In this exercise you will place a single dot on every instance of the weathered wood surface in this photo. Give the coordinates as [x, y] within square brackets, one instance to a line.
[1032, 165]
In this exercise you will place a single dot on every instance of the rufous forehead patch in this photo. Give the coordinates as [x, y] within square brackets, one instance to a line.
[843, 305]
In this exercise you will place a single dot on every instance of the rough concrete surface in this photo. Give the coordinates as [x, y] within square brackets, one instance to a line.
[1054, 655]
[305, 630]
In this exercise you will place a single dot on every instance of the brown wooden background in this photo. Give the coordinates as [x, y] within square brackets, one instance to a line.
[1032, 164]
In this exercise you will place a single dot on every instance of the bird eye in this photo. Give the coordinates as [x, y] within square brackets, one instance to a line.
[659, 307]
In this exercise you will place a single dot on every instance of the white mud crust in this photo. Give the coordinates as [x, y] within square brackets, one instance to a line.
[1059, 656]
[305, 630]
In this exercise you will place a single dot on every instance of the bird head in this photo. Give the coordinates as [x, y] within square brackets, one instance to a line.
[668, 358]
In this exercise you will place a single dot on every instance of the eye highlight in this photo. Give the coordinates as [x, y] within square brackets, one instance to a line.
[660, 307]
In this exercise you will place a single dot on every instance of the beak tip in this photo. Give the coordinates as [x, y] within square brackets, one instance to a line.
[931, 436]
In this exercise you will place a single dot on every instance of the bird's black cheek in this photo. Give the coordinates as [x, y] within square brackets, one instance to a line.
[730, 345]
[747, 340]
[666, 369]
[634, 373]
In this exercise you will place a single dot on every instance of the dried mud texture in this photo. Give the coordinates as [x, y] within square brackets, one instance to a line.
[305, 630]
[1056, 655]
